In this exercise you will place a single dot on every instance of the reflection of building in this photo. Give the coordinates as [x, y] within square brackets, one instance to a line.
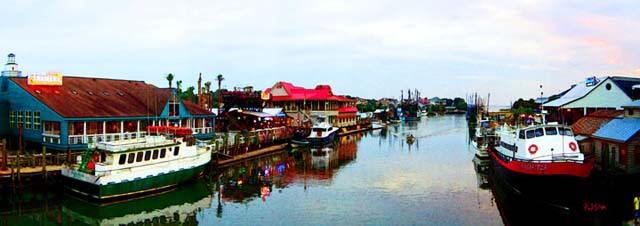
[300, 103]
[69, 112]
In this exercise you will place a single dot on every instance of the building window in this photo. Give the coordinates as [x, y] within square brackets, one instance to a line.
[12, 119]
[51, 128]
[20, 117]
[27, 119]
[36, 120]
[608, 86]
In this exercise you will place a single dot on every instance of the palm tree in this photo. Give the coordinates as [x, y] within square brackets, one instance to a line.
[179, 86]
[219, 79]
[170, 79]
[207, 86]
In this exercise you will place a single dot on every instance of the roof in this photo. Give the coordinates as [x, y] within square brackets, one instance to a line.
[274, 111]
[321, 92]
[348, 109]
[576, 92]
[195, 109]
[626, 84]
[632, 104]
[591, 123]
[81, 97]
[620, 130]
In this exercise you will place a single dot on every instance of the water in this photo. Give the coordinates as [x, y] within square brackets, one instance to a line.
[374, 178]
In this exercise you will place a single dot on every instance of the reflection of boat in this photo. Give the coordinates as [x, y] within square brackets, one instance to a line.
[536, 157]
[135, 166]
[178, 207]
[377, 125]
[484, 136]
[481, 166]
[321, 157]
[322, 132]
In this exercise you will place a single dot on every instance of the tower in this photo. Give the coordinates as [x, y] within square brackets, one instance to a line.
[11, 68]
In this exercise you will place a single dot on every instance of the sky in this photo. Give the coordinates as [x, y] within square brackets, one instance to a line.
[370, 49]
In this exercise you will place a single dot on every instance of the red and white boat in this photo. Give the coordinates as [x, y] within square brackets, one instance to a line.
[540, 156]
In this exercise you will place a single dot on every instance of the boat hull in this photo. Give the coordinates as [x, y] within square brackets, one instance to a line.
[131, 188]
[315, 141]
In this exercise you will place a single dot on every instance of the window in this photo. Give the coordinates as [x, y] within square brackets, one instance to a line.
[531, 134]
[27, 119]
[12, 119]
[176, 150]
[155, 154]
[131, 157]
[20, 118]
[163, 152]
[147, 155]
[608, 86]
[139, 156]
[36, 120]
[122, 159]
[550, 131]
[539, 132]
[565, 131]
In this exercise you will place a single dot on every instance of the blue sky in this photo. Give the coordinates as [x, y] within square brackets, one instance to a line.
[370, 49]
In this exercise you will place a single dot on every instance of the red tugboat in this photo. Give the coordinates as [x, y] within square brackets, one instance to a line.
[536, 158]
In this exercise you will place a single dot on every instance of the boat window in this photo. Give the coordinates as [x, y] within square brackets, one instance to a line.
[539, 132]
[176, 150]
[155, 154]
[139, 157]
[550, 131]
[163, 152]
[565, 131]
[131, 157]
[521, 135]
[531, 134]
[147, 155]
[122, 159]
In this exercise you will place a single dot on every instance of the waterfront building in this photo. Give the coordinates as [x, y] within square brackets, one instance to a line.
[300, 104]
[617, 143]
[595, 93]
[69, 113]
[586, 126]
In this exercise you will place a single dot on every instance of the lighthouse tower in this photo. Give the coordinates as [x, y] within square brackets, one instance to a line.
[11, 68]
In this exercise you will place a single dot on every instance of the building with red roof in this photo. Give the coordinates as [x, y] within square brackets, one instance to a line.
[301, 103]
[65, 112]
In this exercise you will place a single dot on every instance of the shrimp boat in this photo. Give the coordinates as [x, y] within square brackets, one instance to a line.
[322, 132]
[484, 136]
[137, 166]
[538, 156]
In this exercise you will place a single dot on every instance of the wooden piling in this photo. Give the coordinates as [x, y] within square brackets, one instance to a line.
[44, 163]
[3, 148]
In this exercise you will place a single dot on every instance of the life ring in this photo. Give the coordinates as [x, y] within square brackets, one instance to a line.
[573, 146]
[533, 149]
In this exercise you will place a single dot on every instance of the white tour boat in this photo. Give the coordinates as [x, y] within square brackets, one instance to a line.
[135, 166]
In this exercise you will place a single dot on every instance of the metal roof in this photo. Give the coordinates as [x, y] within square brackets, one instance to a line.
[576, 92]
[619, 129]
[632, 104]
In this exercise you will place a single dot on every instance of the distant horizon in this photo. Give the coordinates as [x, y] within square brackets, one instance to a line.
[369, 49]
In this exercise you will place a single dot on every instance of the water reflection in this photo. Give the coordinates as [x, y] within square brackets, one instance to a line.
[177, 207]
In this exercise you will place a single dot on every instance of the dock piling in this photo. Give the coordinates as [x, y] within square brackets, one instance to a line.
[44, 163]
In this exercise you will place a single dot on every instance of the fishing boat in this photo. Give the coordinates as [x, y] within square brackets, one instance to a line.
[484, 136]
[538, 156]
[137, 166]
[322, 132]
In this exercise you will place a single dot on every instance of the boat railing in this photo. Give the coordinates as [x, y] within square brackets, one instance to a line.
[508, 159]
[141, 143]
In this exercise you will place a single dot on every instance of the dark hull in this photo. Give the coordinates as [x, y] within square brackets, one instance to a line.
[322, 141]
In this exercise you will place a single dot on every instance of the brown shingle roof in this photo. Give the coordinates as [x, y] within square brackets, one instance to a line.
[589, 124]
[81, 97]
[195, 109]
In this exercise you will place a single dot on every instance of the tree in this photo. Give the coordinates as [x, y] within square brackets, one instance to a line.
[219, 79]
[170, 79]
[190, 93]
[179, 86]
[207, 86]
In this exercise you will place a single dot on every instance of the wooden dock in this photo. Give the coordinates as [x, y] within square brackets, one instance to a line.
[252, 154]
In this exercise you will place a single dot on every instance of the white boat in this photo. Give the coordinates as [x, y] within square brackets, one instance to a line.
[135, 166]
[322, 132]
[484, 136]
[539, 155]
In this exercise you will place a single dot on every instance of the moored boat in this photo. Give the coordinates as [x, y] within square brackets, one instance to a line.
[299, 138]
[485, 135]
[322, 132]
[136, 166]
[536, 157]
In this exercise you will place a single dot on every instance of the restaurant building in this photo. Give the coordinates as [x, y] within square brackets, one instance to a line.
[302, 104]
[69, 113]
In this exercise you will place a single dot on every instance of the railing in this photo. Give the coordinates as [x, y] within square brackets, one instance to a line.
[51, 138]
[95, 138]
[203, 130]
[508, 159]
